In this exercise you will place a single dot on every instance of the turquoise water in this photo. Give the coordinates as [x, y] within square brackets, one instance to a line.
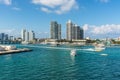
[49, 63]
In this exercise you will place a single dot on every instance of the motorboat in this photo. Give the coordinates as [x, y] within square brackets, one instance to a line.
[99, 47]
[25, 42]
[73, 52]
[54, 45]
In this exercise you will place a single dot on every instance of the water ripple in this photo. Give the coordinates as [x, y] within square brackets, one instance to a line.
[57, 64]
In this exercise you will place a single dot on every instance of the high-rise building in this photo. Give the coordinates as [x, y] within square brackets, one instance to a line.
[81, 33]
[23, 34]
[11, 38]
[55, 30]
[3, 36]
[74, 32]
[31, 35]
[27, 36]
[69, 30]
[78, 32]
[59, 31]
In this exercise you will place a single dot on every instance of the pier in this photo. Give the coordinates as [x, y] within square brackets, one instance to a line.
[15, 51]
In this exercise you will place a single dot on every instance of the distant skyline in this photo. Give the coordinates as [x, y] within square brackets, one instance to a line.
[99, 18]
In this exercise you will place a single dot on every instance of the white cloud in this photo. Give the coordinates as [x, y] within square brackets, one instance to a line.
[6, 2]
[46, 10]
[85, 27]
[16, 8]
[56, 6]
[103, 30]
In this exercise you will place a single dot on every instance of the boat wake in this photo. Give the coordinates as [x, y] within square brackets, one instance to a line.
[88, 49]
[104, 54]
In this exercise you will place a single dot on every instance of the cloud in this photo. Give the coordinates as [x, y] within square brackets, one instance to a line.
[46, 10]
[85, 27]
[56, 6]
[112, 30]
[16, 8]
[6, 2]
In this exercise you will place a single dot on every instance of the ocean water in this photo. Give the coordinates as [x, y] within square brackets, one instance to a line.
[56, 63]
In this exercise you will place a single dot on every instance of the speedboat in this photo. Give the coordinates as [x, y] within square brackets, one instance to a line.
[99, 47]
[73, 52]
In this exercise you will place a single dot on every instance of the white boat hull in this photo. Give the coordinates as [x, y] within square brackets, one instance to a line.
[99, 49]
[73, 52]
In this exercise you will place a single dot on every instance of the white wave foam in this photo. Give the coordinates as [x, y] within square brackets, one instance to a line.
[104, 54]
[88, 49]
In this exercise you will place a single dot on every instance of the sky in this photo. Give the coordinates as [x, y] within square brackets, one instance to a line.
[98, 18]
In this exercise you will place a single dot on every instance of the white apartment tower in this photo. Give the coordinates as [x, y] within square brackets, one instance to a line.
[69, 30]
[23, 34]
[27, 36]
[74, 32]
[55, 30]
[31, 35]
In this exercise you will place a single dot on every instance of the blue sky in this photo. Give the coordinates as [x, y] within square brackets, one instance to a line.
[99, 18]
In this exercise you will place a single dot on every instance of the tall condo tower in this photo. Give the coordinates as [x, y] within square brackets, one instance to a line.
[31, 35]
[23, 34]
[55, 30]
[69, 30]
[27, 36]
[74, 32]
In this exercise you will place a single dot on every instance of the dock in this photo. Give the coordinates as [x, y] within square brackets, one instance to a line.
[15, 51]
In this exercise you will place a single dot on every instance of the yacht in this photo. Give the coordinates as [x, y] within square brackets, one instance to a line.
[73, 52]
[99, 47]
